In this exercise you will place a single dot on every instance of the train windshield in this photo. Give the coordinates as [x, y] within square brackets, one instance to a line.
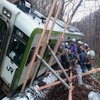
[16, 50]
[17, 47]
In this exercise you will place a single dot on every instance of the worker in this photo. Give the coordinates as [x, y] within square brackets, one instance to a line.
[88, 61]
[86, 47]
[82, 59]
[64, 60]
[59, 49]
[73, 48]
[80, 46]
[67, 46]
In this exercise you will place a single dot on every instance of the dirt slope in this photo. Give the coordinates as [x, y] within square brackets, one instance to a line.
[79, 93]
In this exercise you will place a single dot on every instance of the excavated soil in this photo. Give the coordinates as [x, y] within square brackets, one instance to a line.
[59, 92]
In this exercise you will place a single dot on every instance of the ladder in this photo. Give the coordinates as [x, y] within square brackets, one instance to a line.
[44, 47]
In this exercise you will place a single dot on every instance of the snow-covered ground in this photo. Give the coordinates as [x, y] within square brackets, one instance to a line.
[94, 96]
[32, 93]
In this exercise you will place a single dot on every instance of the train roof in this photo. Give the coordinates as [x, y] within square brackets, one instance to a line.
[30, 21]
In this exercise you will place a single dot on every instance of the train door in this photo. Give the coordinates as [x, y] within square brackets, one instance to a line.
[3, 38]
[14, 55]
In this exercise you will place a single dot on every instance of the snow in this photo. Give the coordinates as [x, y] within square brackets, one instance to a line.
[50, 79]
[79, 74]
[94, 96]
[32, 93]
[6, 98]
[29, 94]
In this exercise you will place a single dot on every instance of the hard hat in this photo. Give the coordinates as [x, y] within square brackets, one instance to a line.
[66, 43]
[74, 40]
[86, 45]
[91, 53]
[79, 42]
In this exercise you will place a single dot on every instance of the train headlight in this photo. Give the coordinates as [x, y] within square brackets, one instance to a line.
[8, 15]
[6, 12]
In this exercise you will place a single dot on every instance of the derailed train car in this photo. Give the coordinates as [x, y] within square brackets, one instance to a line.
[19, 35]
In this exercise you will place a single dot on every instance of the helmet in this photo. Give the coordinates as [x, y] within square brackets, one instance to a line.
[82, 42]
[74, 40]
[66, 43]
[86, 45]
[91, 53]
[79, 42]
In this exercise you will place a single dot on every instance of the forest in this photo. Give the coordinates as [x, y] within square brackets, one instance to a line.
[90, 26]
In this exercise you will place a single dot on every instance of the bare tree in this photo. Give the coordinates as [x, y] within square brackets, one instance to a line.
[90, 26]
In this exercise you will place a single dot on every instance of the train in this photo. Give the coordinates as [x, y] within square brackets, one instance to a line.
[19, 34]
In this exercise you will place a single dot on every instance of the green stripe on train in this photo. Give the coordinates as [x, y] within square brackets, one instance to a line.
[18, 72]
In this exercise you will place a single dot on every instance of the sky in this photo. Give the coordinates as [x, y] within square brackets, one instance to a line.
[84, 10]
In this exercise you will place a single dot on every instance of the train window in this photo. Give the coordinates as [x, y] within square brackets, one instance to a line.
[47, 54]
[21, 35]
[30, 55]
[68, 38]
[3, 38]
[16, 50]
[3, 29]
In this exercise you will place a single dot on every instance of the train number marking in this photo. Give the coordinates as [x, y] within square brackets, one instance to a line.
[10, 69]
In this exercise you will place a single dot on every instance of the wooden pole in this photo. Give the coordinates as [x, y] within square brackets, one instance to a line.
[38, 46]
[71, 88]
[59, 71]
[73, 77]
[44, 46]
